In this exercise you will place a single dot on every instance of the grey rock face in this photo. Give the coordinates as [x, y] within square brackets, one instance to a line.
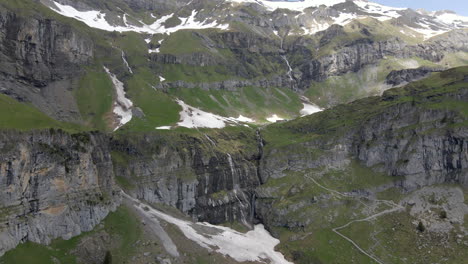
[53, 185]
[208, 184]
[397, 78]
[41, 60]
[363, 52]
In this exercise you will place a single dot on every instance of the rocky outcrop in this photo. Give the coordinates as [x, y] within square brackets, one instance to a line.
[193, 59]
[231, 85]
[41, 59]
[397, 78]
[430, 153]
[354, 56]
[53, 185]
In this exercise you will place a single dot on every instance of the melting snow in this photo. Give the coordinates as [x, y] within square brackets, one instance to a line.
[295, 6]
[156, 50]
[123, 105]
[452, 19]
[192, 117]
[310, 109]
[96, 19]
[256, 245]
[427, 31]
[164, 128]
[242, 118]
[385, 11]
[274, 118]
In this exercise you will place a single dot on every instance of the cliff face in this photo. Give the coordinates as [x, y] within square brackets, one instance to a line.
[194, 174]
[41, 60]
[354, 56]
[53, 185]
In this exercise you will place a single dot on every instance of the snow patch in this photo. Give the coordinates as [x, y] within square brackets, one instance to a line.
[427, 31]
[310, 109]
[97, 19]
[161, 79]
[274, 118]
[192, 117]
[294, 6]
[156, 50]
[244, 119]
[254, 246]
[385, 12]
[123, 105]
[164, 128]
[452, 19]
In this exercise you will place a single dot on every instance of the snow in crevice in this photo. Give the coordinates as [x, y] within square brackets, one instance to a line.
[97, 19]
[427, 31]
[256, 245]
[156, 50]
[122, 106]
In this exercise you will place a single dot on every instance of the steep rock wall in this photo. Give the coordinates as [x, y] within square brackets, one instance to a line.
[196, 175]
[53, 185]
[41, 59]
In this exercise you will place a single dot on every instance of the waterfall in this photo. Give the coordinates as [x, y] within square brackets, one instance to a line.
[289, 67]
[241, 209]
[126, 62]
[252, 208]
[235, 185]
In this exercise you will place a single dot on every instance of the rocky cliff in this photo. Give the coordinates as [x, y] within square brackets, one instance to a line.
[211, 178]
[41, 61]
[53, 185]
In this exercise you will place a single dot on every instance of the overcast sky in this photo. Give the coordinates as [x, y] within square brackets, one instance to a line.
[459, 6]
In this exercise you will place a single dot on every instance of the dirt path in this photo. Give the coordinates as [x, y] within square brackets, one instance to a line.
[395, 208]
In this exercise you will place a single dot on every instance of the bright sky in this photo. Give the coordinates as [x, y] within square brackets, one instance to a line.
[459, 6]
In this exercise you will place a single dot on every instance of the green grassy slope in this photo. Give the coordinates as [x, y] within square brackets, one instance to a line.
[23, 116]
